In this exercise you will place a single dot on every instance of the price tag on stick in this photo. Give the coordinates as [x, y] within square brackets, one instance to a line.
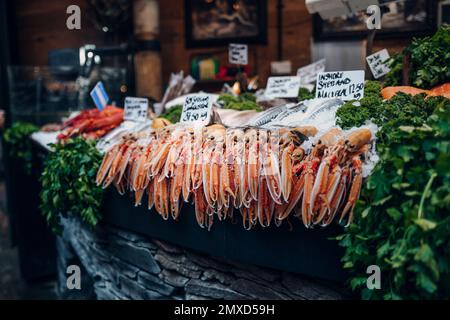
[197, 109]
[99, 95]
[282, 87]
[308, 74]
[377, 63]
[345, 85]
[136, 109]
[238, 54]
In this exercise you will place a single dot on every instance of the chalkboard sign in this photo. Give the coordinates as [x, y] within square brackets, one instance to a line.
[282, 87]
[377, 63]
[238, 54]
[197, 109]
[345, 85]
[136, 109]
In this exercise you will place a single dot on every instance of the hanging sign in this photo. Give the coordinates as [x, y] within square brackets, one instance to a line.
[197, 109]
[377, 63]
[136, 109]
[238, 54]
[99, 95]
[282, 87]
[345, 85]
[308, 74]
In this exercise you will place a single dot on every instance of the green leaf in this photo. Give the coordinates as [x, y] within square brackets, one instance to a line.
[425, 224]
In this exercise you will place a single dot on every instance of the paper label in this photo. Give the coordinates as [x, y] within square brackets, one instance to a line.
[99, 95]
[377, 63]
[345, 85]
[308, 74]
[136, 109]
[197, 109]
[238, 54]
[282, 87]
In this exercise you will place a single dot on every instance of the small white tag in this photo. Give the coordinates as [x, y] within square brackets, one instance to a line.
[197, 109]
[345, 85]
[282, 87]
[377, 63]
[308, 74]
[238, 54]
[281, 67]
[136, 109]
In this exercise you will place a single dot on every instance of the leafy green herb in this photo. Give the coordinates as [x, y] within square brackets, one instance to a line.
[401, 221]
[305, 94]
[20, 144]
[355, 113]
[245, 101]
[68, 183]
[429, 62]
[173, 114]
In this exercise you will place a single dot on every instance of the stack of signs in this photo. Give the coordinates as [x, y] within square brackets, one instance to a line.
[282, 87]
[377, 63]
[197, 109]
[238, 54]
[136, 109]
[344, 85]
[99, 95]
[308, 74]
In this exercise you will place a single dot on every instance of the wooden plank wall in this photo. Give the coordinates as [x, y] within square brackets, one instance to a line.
[41, 26]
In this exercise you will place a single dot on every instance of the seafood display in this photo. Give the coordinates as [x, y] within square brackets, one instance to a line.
[442, 90]
[265, 173]
[92, 123]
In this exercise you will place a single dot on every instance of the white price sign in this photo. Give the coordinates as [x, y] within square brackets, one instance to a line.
[282, 87]
[238, 54]
[308, 74]
[136, 109]
[377, 63]
[345, 85]
[197, 109]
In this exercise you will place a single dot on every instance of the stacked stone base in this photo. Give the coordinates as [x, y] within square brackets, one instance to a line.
[117, 264]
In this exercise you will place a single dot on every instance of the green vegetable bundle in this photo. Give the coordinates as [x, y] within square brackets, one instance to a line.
[173, 114]
[68, 183]
[20, 144]
[429, 61]
[305, 94]
[401, 221]
[245, 101]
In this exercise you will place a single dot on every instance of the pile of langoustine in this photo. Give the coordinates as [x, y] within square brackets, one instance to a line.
[264, 173]
[92, 123]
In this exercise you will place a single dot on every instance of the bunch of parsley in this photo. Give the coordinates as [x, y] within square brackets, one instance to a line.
[68, 183]
[429, 61]
[20, 144]
[401, 222]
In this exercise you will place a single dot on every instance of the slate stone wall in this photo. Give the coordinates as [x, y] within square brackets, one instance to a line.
[117, 264]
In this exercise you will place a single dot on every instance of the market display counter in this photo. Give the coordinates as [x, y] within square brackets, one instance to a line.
[309, 252]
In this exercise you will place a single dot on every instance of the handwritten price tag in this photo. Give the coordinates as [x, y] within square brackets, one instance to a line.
[197, 109]
[308, 74]
[136, 109]
[282, 87]
[238, 54]
[345, 85]
[377, 63]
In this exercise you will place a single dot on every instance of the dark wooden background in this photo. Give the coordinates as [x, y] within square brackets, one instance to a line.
[41, 26]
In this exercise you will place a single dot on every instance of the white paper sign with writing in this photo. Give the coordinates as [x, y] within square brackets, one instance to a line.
[238, 53]
[345, 85]
[197, 109]
[377, 63]
[282, 87]
[308, 74]
[136, 109]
